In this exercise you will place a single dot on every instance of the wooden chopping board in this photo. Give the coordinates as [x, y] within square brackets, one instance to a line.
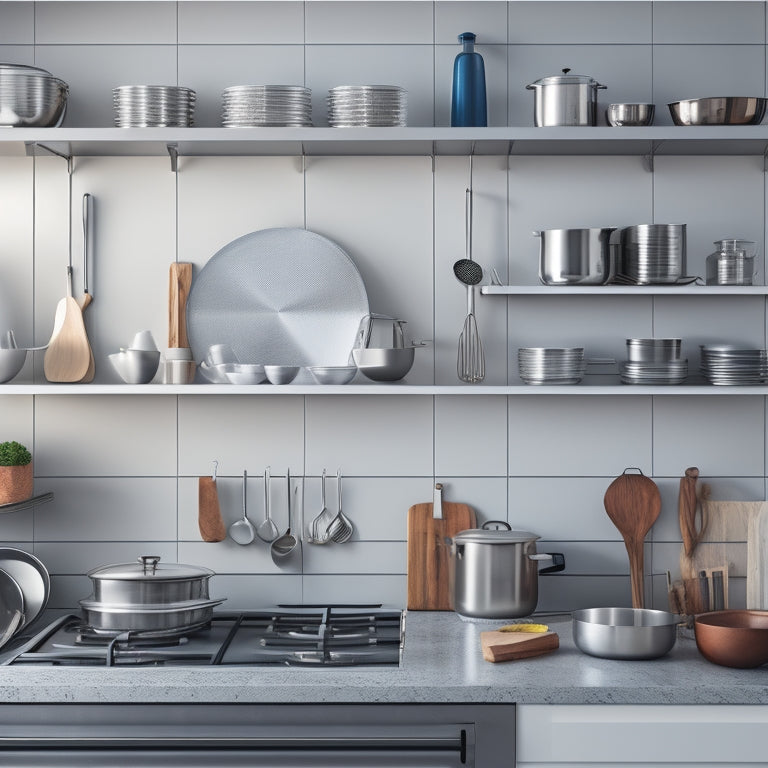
[506, 646]
[428, 556]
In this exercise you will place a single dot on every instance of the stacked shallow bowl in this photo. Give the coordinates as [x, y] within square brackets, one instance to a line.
[551, 365]
[31, 97]
[153, 106]
[266, 105]
[367, 106]
[730, 364]
[652, 254]
[654, 361]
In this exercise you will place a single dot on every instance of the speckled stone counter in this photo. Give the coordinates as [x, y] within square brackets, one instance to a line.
[441, 662]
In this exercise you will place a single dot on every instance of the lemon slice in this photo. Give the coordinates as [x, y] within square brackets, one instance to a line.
[524, 628]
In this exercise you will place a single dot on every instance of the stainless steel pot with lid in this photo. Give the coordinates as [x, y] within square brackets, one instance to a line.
[494, 571]
[149, 596]
[565, 100]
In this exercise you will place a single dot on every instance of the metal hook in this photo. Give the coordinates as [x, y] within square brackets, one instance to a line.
[215, 470]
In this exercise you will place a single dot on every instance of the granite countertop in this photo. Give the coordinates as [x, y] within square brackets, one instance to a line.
[442, 662]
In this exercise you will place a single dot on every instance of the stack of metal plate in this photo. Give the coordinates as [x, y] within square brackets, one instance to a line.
[654, 361]
[266, 105]
[153, 106]
[729, 364]
[30, 96]
[652, 253]
[551, 365]
[368, 106]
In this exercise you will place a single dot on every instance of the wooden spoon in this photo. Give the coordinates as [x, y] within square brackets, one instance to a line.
[633, 503]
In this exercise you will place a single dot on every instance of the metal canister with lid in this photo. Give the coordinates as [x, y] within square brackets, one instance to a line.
[733, 263]
[565, 100]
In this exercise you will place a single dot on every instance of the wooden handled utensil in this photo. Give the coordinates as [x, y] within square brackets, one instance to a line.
[633, 503]
[85, 300]
[209, 519]
[180, 283]
[429, 524]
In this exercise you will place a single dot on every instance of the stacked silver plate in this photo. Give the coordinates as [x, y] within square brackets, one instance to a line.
[654, 361]
[30, 96]
[551, 365]
[153, 106]
[266, 105]
[652, 253]
[369, 106]
[730, 364]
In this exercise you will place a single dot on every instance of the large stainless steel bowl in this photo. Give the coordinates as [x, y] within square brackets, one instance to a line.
[719, 110]
[624, 633]
[31, 97]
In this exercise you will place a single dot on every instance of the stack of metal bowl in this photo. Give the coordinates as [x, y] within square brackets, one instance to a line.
[551, 365]
[266, 105]
[730, 364]
[652, 253]
[367, 106]
[654, 361]
[31, 97]
[153, 106]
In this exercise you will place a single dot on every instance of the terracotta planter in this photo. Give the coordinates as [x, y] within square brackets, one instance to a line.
[16, 483]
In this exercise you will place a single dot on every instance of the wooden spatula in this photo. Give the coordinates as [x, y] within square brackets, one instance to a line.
[633, 503]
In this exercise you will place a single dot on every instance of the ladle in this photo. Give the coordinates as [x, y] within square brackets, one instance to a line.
[267, 530]
[242, 531]
[283, 545]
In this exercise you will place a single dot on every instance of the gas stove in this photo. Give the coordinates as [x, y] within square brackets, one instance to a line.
[316, 636]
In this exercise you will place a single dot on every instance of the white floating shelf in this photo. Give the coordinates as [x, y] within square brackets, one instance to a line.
[624, 290]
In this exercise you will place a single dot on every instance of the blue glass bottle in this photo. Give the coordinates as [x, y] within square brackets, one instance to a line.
[468, 102]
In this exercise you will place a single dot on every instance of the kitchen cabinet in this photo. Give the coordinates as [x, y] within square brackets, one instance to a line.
[600, 735]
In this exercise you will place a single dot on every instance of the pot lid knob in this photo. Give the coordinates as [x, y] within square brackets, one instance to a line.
[566, 70]
[149, 563]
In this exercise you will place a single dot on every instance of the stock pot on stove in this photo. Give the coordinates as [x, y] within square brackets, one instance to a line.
[149, 596]
[494, 571]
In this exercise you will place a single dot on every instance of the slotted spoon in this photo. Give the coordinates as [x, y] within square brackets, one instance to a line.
[318, 528]
[267, 530]
[340, 528]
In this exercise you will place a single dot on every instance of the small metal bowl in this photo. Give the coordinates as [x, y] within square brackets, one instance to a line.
[621, 115]
[719, 110]
[735, 638]
[624, 633]
[136, 366]
[281, 374]
[11, 363]
[384, 364]
[333, 374]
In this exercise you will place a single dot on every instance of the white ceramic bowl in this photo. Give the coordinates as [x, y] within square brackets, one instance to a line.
[281, 374]
[11, 362]
[245, 373]
[333, 374]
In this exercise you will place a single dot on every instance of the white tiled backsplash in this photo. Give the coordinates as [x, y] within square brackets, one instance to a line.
[123, 468]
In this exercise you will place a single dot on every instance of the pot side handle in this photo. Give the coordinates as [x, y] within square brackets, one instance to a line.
[557, 558]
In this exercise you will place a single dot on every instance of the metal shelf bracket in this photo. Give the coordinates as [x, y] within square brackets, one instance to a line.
[173, 152]
[30, 148]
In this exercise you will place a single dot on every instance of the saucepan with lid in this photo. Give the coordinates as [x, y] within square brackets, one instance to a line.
[494, 571]
[565, 100]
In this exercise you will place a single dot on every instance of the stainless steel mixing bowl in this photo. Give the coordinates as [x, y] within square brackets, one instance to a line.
[31, 97]
[624, 633]
[719, 110]
[629, 114]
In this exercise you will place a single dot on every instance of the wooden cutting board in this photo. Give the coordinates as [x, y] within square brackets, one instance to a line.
[428, 556]
[506, 646]
[757, 560]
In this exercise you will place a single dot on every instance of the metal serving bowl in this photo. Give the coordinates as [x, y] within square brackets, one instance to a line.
[333, 374]
[719, 110]
[620, 115]
[624, 633]
[384, 364]
[31, 97]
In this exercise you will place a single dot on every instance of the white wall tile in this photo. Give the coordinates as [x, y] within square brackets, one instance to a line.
[105, 22]
[209, 69]
[107, 509]
[241, 22]
[386, 228]
[570, 593]
[67, 590]
[470, 441]
[409, 66]
[18, 54]
[709, 22]
[574, 436]
[112, 435]
[584, 22]
[92, 71]
[588, 558]
[17, 526]
[240, 433]
[486, 495]
[389, 591]
[227, 557]
[251, 592]
[17, 23]
[369, 22]
[488, 20]
[728, 440]
[17, 418]
[75, 558]
[372, 435]
[387, 557]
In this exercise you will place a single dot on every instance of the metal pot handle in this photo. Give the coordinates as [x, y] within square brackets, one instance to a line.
[486, 526]
[558, 559]
[149, 563]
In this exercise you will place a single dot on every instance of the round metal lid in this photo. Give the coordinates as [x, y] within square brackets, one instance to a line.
[486, 536]
[566, 79]
[149, 567]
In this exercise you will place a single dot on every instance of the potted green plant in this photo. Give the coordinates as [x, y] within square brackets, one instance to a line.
[16, 476]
